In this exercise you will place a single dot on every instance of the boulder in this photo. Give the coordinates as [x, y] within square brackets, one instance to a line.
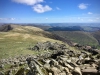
[49, 46]
[55, 71]
[77, 70]
[71, 53]
[20, 71]
[47, 66]
[62, 73]
[50, 74]
[2, 66]
[66, 70]
[53, 62]
[90, 71]
[69, 66]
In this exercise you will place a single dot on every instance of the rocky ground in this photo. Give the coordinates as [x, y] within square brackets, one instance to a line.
[58, 60]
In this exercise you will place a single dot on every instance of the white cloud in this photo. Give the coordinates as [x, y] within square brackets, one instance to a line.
[41, 9]
[90, 13]
[58, 8]
[37, 7]
[28, 2]
[83, 6]
[7, 18]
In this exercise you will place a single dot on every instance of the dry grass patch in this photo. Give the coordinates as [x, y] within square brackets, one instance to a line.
[33, 28]
[12, 35]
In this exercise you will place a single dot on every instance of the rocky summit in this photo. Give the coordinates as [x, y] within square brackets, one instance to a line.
[58, 60]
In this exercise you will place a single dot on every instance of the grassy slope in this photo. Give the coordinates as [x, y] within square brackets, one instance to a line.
[80, 37]
[97, 35]
[16, 41]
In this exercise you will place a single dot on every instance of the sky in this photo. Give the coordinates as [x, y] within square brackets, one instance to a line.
[49, 11]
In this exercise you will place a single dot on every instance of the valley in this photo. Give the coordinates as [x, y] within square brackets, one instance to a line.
[82, 33]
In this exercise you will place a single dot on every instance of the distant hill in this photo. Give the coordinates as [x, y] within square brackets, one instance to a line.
[97, 35]
[87, 27]
[69, 28]
[83, 33]
[84, 38]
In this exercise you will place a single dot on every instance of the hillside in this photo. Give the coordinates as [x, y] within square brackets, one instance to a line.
[17, 41]
[97, 35]
[82, 33]
[81, 37]
[29, 50]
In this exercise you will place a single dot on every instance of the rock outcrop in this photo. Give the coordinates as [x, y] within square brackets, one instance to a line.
[86, 48]
[61, 61]
[49, 46]
[5, 28]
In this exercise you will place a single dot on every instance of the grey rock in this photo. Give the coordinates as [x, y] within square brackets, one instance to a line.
[90, 70]
[53, 62]
[78, 70]
[47, 66]
[1, 66]
[50, 74]
[55, 71]
[49, 46]
[69, 66]
[66, 70]
[1, 73]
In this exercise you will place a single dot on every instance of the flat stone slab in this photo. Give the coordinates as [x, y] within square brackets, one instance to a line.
[90, 70]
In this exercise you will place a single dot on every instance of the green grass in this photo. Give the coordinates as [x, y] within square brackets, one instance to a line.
[10, 47]
[17, 42]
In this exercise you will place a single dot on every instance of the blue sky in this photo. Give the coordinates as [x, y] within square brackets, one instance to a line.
[49, 11]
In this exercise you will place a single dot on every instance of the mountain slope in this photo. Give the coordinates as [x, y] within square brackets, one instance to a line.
[97, 35]
[17, 41]
[19, 53]
[80, 33]
[84, 38]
